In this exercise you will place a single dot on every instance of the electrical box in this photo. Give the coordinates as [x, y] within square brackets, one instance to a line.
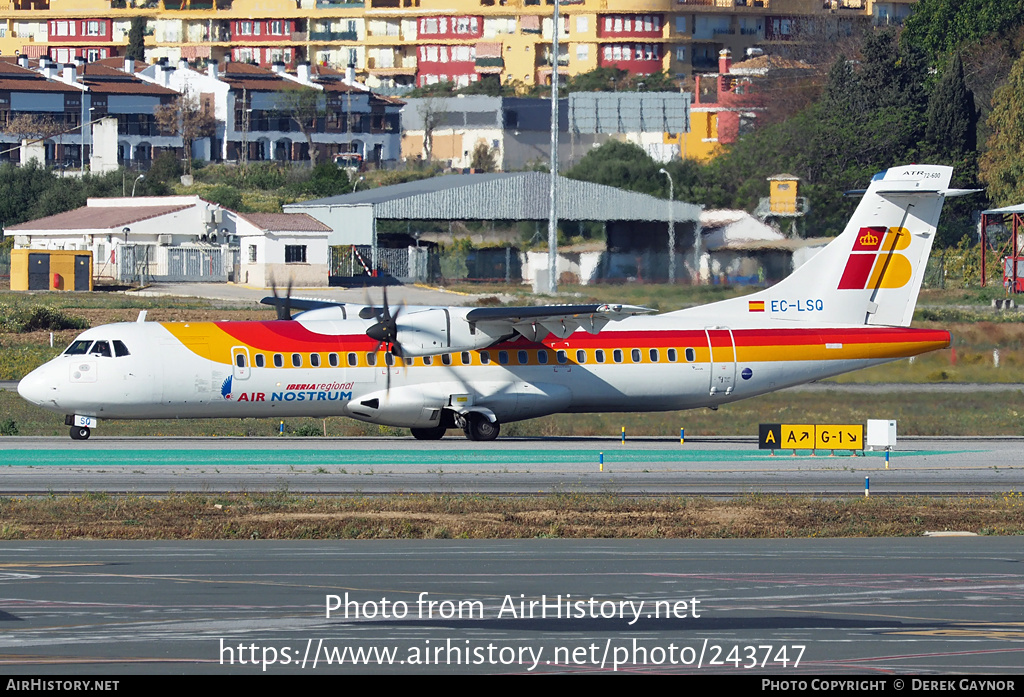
[881, 434]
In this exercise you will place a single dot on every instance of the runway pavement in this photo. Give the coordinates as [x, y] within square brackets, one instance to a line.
[708, 466]
[879, 609]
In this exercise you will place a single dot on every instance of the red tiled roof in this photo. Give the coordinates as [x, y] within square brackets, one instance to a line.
[285, 222]
[98, 218]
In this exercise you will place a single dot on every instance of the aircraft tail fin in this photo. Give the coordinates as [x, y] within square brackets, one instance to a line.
[871, 274]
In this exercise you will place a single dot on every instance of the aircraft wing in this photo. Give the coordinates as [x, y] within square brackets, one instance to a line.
[299, 304]
[535, 322]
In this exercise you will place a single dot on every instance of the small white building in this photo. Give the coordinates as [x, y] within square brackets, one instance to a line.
[282, 248]
[136, 239]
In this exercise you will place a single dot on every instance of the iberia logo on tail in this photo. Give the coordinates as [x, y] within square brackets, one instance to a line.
[874, 261]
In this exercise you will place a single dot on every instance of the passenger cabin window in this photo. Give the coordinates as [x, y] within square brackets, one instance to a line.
[332, 358]
[240, 360]
[581, 356]
[465, 358]
[691, 355]
[635, 355]
[120, 349]
[599, 355]
[503, 357]
[371, 358]
[562, 356]
[259, 360]
[101, 348]
[485, 357]
[408, 361]
[654, 356]
[78, 348]
[524, 358]
[352, 359]
[278, 360]
[314, 360]
[389, 359]
[672, 355]
[427, 360]
[617, 355]
[297, 360]
[446, 359]
[542, 357]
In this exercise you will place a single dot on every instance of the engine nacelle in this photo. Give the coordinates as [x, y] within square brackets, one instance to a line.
[438, 330]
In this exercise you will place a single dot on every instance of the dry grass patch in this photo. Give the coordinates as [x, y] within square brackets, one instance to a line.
[279, 515]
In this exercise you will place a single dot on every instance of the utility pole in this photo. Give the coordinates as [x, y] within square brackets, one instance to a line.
[671, 228]
[553, 212]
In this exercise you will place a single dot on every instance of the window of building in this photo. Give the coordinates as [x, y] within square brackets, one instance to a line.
[252, 254]
[295, 254]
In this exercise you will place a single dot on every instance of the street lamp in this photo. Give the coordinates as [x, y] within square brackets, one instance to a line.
[356, 183]
[137, 180]
[671, 228]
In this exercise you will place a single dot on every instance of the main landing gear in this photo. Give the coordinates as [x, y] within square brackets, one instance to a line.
[476, 427]
[80, 432]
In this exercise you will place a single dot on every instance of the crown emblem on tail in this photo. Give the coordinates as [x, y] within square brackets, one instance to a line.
[868, 239]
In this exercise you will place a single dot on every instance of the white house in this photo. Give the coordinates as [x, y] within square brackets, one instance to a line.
[282, 248]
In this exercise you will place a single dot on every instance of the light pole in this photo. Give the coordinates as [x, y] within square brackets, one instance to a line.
[671, 228]
[137, 180]
[553, 210]
[356, 183]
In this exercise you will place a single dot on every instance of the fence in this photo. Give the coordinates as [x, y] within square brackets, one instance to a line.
[143, 263]
[409, 264]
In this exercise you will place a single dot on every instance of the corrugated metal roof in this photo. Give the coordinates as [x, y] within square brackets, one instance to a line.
[505, 196]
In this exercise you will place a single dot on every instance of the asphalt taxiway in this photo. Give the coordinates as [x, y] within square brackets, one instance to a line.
[707, 466]
[877, 608]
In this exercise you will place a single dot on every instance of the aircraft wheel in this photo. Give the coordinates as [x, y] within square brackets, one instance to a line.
[431, 433]
[479, 428]
[80, 432]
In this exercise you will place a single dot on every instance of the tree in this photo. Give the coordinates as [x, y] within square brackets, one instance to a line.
[941, 27]
[305, 106]
[432, 114]
[33, 126]
[1001, 166]
[185, 116]
[483, 159]
[137, 40]
[952, 125]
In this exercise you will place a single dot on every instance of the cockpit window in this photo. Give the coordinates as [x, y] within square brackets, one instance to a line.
[101, 348]
[120, 349]
[78, 347]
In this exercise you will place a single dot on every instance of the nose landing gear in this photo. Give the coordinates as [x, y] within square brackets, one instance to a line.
[80, 432]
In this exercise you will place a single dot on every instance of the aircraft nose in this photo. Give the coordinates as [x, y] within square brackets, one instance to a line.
[36, 388]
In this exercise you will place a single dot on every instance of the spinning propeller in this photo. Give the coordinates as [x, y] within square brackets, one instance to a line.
[385, 331]
[283, 306]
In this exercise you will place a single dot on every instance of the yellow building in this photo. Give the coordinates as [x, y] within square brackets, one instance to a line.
[395, 43]
[48, 269]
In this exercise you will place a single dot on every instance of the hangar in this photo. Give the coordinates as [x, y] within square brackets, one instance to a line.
[633, 222]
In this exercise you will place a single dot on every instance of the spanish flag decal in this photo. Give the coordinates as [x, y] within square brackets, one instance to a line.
[755, 305]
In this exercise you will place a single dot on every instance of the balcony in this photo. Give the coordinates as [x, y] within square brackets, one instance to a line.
[333, 36]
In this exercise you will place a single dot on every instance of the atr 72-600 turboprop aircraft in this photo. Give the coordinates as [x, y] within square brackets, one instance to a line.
[433, 368]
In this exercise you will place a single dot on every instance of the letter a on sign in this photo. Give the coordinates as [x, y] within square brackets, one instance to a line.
[768, 436]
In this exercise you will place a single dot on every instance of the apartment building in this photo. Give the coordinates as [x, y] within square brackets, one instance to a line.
[395, 44]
